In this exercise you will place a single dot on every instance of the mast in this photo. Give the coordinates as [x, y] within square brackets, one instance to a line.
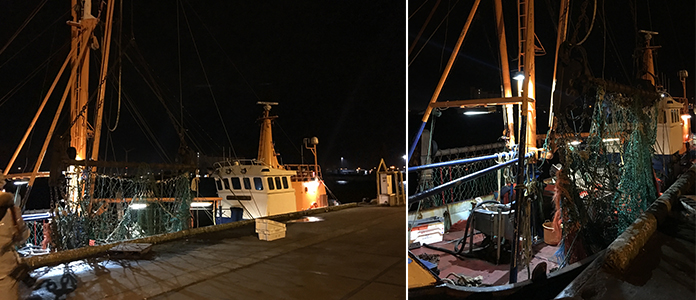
[527, 135]
[443, 78]
[505, 66]
[560, 38]
[648, 63]
[526, 65]
[267, 152]
[82, 27]
[102, 78]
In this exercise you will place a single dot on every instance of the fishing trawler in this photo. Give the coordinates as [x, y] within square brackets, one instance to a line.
[128, 199]
[262, 187]
[477, 221]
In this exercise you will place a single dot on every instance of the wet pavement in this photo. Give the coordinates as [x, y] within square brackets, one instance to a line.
[356, 253]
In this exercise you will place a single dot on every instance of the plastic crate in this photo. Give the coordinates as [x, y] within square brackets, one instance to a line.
[269, 225]
[271, 235]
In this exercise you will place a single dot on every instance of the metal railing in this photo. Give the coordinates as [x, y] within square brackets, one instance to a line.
[470, 174]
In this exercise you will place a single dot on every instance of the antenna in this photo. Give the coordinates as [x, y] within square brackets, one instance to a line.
[267, 105]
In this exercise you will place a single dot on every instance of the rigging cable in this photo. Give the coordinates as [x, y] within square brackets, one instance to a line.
[206, 132]
[142, 123]
[155, 88]
[152, 84]
[35, 37]
[210, 88]
[178, 52]
[31, 16]
[425, 24]
[434, 31]
[418, 9]
[225, 52]
[120, 68]
[15, 89]
[616, 51]
[287, 136]
[444, 42]
[604, 36]
[146, 74]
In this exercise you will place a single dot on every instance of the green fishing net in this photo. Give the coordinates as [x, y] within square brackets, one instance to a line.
[605, 142]
[118, 208]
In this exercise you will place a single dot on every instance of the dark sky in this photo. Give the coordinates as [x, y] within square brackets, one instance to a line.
[477, 65]
[336, 68]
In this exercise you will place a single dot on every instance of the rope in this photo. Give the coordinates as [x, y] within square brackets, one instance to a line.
[120, 68]
[288, 137]
[210, 88]
[29, 18]
[434, 31]
[21, 84]
[224, 52]
[594, 13]
[418, 9]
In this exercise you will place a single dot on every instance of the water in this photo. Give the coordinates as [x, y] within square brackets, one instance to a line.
[351, 188]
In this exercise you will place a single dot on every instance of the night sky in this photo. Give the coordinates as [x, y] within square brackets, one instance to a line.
[477, 65]
[336, 68]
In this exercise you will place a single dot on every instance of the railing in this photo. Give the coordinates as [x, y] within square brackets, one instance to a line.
[305, 172]
[237, 162]
[36, 222]
[460, 179]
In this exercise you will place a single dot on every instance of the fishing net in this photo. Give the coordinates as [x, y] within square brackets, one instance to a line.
[118, 208]
[484, 185]
[605, 144]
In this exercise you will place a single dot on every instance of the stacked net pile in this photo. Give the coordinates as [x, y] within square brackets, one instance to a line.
[484, 185]
[605, 143]
[102, 209]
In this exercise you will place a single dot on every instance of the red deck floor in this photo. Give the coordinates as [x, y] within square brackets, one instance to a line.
[492, 274]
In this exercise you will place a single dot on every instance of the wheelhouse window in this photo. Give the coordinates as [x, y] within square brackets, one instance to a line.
[285, 182]
[277, 182]
[258, 184]
[247, 183]
[270, 183]
[227, 183]
[218, 183]
[236, 184]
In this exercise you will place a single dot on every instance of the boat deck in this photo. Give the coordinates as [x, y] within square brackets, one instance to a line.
[355, 253]
[491, 273]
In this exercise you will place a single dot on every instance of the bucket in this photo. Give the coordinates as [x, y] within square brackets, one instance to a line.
[551, 237]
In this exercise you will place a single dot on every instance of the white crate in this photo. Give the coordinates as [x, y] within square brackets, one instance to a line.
[271, 235]
[427, 232]
[269, 225]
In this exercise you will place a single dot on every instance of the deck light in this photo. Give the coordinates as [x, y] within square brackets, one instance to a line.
[137, 206]
[479, 110]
